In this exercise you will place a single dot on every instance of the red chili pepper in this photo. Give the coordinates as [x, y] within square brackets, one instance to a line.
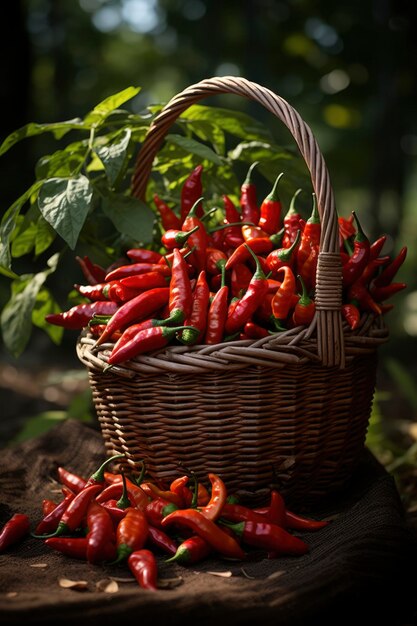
[143, 255]
[48, 506]
[50, 522]
[131, 533]
[141, 307]
[291, 222]
[191, 190]
[380, 294]
[263, 245]
[14, 530]
[216, 317]
[239, 513]
[78, 316]
[157, 509]
[135, 269]
[161, 540]
[240, 279]
[100, 532]
[358, 293]
[282, 256]
[177, 238]
[233, 234]
[269, 536]
[271, 207]
[116, 513]
[282, 300]
[74, 547]
[144, 567]
[215, 259]
[251, 232]
[136, 494]
[93, 273]
[199, 311]
[71, 480]
[249, 302]
[310, 236]
[148, 280]
[359, 259]
[309, 269]
[179, 486]
[346, 229]
[351, 314]
[155, 492]
[128, 334]
[192, 550]
[214, 507]
[376, 247]
[255, 331]
[305, 308]
[296, 522]
[145, 341]
[208, 530]
[98, 477]
[169, 219]
[180, 293]
[248, 203]
[198, 239]
[92, 292]
[389, 273]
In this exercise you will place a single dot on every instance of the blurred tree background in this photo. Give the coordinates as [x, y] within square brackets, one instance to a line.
[347, 67]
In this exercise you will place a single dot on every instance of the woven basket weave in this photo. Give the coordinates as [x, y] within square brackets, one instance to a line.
[292, 407]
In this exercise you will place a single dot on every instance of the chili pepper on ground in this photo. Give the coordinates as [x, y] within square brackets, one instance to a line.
[155, 492]
[248, 203]
[192, 550]
[75, 547]
[180, 487]
[100, 532]
[143, 255]
[48, 506]
[157, 509]
[198, 237]
[268, 536]
[239, 513]
[136, 494]
[271, 207]
[351, 314]
[281, 302]
[161, 540]
[282, 256]
[291, 222]
[131, 533]
[116, 513]
[297, 522]
[214, 507]
[310, 236]
[78, 316]
[98, 478]
[250, 301]
[305, 308]
[169, 218]
[71, 480]
[141, 307]
[50, 522]
[354, 267]
[199, 311]
[14, 530]
[136, 269]
[191, 190]
[208, 530]
[146, 341]
[74, 512]
[389, 273]
[144, 567]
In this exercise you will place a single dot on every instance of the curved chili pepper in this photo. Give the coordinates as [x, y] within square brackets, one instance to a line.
[384, 293]
[282, 256]
[271, 207]
[97, 478]
[376, 247]
[296, 522]
[157, 509]
[232, 234]
[169, 219]
[71, 480]
[179, 486]
[136, 494]
[389, 273]
[131, 533]
[78, 316]
[161, 540]
[173, 238]
[282, 300]
[199, 311]
[262, 245]
[358, 292]
[268, 536]
[198, 237]
[310, 236]
[155, 492]
[305, 308]
[208, 530]
[291, 222]
[143, 255]
[141, 307]
[346, 229]
[144, 567]
[250, 301]
[351, 314]
[248, 203]
[214, 507]
[146, 341]
[100, 532]
[132, 330]
[215, 259]
[50, 522]
[135, 269]
[116, 513]
[360, 256]
[192, 550]
[14, 530]
[191, 190]
[93, 273]
[250, 231]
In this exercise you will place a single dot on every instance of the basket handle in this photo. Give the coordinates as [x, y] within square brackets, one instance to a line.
[328, 296]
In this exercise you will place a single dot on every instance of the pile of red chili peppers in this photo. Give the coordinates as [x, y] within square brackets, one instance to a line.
[110, 518]
[248, 277]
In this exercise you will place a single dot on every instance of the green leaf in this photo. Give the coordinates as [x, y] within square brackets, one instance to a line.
[234, 122]
[208, 132]
[62, 163]
[130, 216]
[64, 203]
[7, 272]
[38, 425]
[44, 304]
[24, 242]
[45, 235]
[107, 106]
[194, 147]
[30, 130]
[114, 156]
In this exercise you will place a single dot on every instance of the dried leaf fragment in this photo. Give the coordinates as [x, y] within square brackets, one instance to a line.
[107, 585]
[77, 585]
[170, 583]
[227, 574]
[244, 572]
[11, 594]
[39, 565]
[276, 574]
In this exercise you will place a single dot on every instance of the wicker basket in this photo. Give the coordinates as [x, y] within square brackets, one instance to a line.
[292, 407]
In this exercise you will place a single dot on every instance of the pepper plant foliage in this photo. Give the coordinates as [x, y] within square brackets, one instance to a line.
[80, 201]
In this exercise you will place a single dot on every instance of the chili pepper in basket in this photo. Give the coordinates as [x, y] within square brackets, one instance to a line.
[309, 268]
[239, 280]
[161, 540]
[50, 522]
[148, 280]
[180, 293]
[268, 536]
[131, 533]
[214, 507]
[358, 292]
[199, 311]
[250, 232]
[262, 245]
[346, 229]
[135, 269]
[220, 541]
[74, 512]
[93, 273]
[250, 301]
[217, 315]
[384, 293]
[157, 509]
[14, 530]
[146, 341]
[92, 292]
[305, 308]
[71, 480]
[78, 316]
[255, 331]
[271, 207]
[198, 237]
[310, 236]
[354, 267]
[177, 238]
[351, 314]
[141, 307]
[282, 256]
[291, 222]
[131, 331]
[376, 247]
[248, 203]
[100, 532]
[191, 190]
[143, 255]
[389, 273]
[192, 550]
[233, 234]
[169, 218]
[144, 567]
[282, 300]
